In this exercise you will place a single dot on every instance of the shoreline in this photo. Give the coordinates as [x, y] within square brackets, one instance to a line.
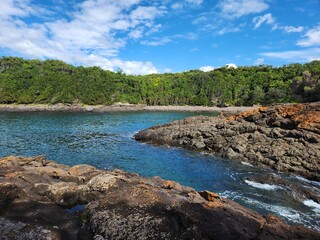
[284, 137]
[115, 108]
[57, 201]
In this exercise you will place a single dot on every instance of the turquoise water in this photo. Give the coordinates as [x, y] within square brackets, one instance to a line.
[106, 141]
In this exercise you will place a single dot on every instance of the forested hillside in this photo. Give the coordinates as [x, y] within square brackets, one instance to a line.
[53, 81]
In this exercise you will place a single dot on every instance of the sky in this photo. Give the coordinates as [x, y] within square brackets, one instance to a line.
[144, 37]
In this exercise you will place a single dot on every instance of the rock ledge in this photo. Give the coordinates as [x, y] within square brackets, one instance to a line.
[284, 137]
[41, 199]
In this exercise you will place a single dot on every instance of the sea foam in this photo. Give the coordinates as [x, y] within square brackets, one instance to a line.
[264, 186]
[312, 204]
[247, 164]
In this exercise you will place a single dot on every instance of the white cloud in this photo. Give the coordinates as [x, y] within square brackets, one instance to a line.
[228, 30]
[211, 68]
[195, 2]
[207, 68]
[136, 33]
[238, 8]
[304, 55]
[89, 37]
[167, 70]
[177, 6]
[164, 40]
[292, 29]
[156, 42]
[146, 13]
[300, 9]
[267, 18]
[154, 29]
[231, 65]
[312, 38]
[200, 19]
[270, 20]
[187, 3]
[188, 36]
[259, 61]
[19, 8]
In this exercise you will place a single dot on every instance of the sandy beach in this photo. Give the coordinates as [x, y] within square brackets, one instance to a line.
[113, 108]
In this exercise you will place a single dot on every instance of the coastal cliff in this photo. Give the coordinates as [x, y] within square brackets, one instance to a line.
[284, 137]
[42, 199]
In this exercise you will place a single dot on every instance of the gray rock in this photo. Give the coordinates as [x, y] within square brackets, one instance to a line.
[269, 136]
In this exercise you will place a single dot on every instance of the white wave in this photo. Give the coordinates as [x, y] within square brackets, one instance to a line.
[264, 186]
[285, 212]
[247, 164]
[307, 180]
[312, 204]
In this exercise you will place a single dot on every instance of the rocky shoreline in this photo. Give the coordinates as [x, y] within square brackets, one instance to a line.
[113, 108]
[284, 137]
[42, 199]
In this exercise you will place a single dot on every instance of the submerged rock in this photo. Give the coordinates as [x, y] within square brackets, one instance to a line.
[284, 137]
[40, 199]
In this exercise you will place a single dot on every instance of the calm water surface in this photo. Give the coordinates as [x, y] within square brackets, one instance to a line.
[106, 141]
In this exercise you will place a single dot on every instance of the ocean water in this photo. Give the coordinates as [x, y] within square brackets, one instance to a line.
[105, 140]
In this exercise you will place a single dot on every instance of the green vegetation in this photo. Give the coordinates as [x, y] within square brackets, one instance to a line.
[53, 81]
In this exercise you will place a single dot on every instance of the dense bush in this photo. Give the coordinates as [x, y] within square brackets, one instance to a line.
[53, 81]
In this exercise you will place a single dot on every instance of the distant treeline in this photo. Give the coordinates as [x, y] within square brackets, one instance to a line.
[53, 81]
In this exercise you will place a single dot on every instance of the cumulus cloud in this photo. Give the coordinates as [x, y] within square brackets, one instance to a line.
[207, 68]
[231, 65]
[238, 8]
[311, 38]
[88, 37]
[211, 68]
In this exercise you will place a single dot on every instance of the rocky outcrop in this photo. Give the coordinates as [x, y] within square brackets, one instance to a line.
[41, 199]
[284, 137]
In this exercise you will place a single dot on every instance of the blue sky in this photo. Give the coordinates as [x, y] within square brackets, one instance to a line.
[143, 37]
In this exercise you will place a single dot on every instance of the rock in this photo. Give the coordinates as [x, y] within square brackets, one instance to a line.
[80, 170]
[102, 182]
[35, 204]
[209, 196]
[267, 135]
[21, 231]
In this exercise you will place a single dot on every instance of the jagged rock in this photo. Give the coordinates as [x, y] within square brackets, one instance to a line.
[284, 137]
[98, 204]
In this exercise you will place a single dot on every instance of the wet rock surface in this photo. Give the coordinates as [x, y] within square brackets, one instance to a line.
[41, 199]
[284, 137]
